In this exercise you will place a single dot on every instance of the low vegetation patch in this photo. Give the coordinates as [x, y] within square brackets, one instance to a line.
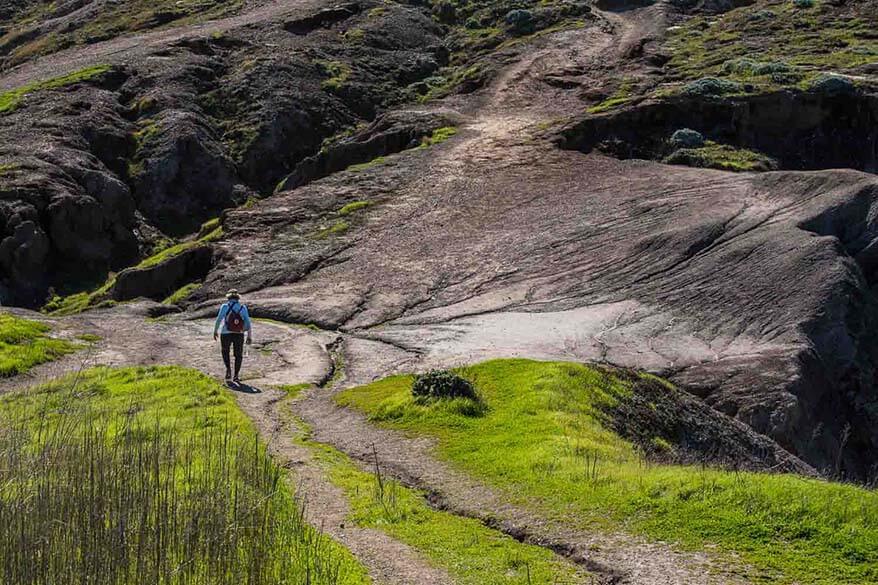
[25, 344]
[723, 157]
[354, 207]
[620, 98]
[11, 99]
[438, 136]
[544, 441]
[774, 43]
[149, 474]
[116, 19]
[182, 293]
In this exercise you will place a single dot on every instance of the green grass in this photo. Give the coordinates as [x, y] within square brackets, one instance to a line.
[353, 207]
[182, 293]
[25, 344]
[472, 553]
[543, 443]
[438, 136]
[336, 229]
[113, 20]
[337, 72]
[773, 44]
[723, 157]
[165, 476]
[88, 337]
[380, 160]
[11, 99]
[621, 97]
[75, 303]
[177, 249]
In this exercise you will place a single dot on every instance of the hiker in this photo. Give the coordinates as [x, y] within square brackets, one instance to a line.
[235, 321]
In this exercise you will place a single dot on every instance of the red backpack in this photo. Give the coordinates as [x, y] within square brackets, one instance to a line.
[234, 321]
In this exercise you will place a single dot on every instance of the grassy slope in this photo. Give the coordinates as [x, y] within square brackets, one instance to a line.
[207, 445]
[116, 19]
[542, 441]
[807, 40]
[11, 99]
[25, 344]
[472, 553]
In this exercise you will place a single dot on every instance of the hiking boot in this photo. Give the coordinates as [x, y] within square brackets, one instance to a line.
[237, 380]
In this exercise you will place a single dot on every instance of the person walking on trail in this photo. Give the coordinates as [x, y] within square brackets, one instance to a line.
[234, 319]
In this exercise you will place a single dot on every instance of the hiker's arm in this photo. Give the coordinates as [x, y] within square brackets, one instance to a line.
[248, 326]
[219, 321]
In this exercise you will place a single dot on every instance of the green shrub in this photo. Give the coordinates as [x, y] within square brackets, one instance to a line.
[711, 86]
[833, 85]
[687, 138]
[803, 3]
[520, 22]
[746, 66]
[443, 384]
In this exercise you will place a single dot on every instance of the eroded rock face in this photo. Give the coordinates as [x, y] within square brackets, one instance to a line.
[186, 128]
[801, 130]
[57, 180]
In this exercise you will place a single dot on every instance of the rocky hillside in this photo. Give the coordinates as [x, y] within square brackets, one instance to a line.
[686, 188]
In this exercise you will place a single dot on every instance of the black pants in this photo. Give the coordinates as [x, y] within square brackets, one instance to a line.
[227, 340]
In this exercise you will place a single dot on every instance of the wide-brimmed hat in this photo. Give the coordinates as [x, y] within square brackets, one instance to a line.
[233, 294]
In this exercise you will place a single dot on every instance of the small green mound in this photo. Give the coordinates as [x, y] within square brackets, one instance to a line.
[712, 86]
[544, 441]
[25, 344]
[722, 157]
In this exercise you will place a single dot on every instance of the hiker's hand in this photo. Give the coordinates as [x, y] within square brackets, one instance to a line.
[215, 336]
[249, 340]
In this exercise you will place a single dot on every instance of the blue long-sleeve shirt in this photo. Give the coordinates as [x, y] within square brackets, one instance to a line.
[224, 310]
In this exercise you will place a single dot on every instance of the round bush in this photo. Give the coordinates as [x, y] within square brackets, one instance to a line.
[520, 22]
[833, 85]
[711, 86]
[687, 138]
[745, 66]
[442, 384]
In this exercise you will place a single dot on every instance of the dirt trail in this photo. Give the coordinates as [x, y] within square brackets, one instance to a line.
[281, 355]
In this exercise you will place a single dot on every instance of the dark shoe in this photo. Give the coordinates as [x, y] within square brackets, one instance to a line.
[228, 375]
[237, 380]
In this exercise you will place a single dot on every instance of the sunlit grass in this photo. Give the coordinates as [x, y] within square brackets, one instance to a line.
[543, 440]
[136, 475]
[25, 344]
